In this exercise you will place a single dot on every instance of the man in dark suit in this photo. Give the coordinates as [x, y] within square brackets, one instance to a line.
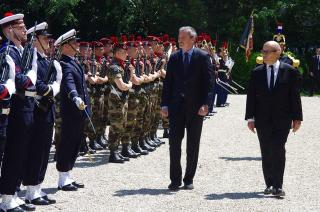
[315, 72]
[185, 100]
[273, 107]
[74, 107]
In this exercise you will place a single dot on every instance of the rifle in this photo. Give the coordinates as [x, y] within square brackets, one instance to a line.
[28, 52]
[47, 101]
[93, 66]
[4, 67]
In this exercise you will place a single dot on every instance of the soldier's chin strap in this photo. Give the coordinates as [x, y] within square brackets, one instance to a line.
[15, 34]
[76, 51]
[40, 44]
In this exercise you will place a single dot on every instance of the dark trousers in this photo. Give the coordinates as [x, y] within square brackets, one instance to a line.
[212, 97]
[178, 122]
[272, 145]
[39, 151]
[16, 150]
[315, 83]
[3, 135]
[71, 136]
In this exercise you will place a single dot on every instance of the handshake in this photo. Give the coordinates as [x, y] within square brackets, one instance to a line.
[79, 102]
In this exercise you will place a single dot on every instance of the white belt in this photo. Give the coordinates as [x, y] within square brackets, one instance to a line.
[5, 111]
[221, 70]
[30, 93]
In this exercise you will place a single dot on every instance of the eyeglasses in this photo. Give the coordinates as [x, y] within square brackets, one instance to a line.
[268, 51]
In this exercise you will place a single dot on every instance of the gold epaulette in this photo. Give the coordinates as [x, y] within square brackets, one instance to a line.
[296, 62]
[259, 60]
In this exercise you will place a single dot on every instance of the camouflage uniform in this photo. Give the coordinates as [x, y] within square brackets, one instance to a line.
[118, 106]
[57, 123]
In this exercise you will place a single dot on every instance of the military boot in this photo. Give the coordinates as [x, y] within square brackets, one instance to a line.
[115, 157]
[136, 148]
[128, 152]
[94, 145]
[151, 142]
[101, 142]
[145, 146]
[165, 133]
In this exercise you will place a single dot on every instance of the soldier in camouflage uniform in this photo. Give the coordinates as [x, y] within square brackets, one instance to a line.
[134, 100]
[143, 112]
[119, 79]
[97, 93]
[86, 63]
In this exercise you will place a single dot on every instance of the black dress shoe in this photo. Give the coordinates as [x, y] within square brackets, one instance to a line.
[136, 148]
[101, 142]
[38, 201]
[78, 185]
[51, 201]
[115, 157]
[268, 190]
[173, 187]
[279, 192]
[188, 186]
[69, 187]
[94, 145]
[165, 133]
[16, 209]
[28, 207]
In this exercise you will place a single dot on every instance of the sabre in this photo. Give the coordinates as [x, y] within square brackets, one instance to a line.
[228, 85]
[234, 82]
[94, 130]
[224, 87]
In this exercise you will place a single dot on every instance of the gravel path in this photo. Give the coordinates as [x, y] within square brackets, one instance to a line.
[229, 175]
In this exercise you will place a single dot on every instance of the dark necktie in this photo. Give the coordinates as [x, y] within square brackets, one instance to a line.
[186, 61]
[271, 78]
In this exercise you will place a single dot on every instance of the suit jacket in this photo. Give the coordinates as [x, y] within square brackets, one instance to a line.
[276, 108]
[191, 87]
[72, 85]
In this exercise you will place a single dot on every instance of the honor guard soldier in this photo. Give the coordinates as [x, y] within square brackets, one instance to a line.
[20, 119]
[133, 100]
[119, 78]
[98, 90]
[49, 77]
[7, 88]
[75, 109]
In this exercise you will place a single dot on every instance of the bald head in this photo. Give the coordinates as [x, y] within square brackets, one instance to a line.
[273, 44]
[271, 52]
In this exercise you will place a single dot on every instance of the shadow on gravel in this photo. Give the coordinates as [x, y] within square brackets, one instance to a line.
[237, 195]
[97, 159]
[241, 158]
[142, 191]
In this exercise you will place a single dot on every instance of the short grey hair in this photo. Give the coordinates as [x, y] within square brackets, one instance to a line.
[190, 30]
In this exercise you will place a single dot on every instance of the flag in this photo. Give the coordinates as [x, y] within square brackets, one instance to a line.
[246, 40]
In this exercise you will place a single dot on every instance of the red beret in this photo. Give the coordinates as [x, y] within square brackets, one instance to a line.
[96, 44]
[106, 41]
[166, 44]
[153, 39]
[120, 46]
[165, 38]
[124, 38]
[84, 44]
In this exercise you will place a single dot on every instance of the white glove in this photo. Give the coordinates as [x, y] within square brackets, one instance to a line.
[80, 104]
[55, 86]
[59, 71]
[32, 74]
[12, 68]
[10, 85]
